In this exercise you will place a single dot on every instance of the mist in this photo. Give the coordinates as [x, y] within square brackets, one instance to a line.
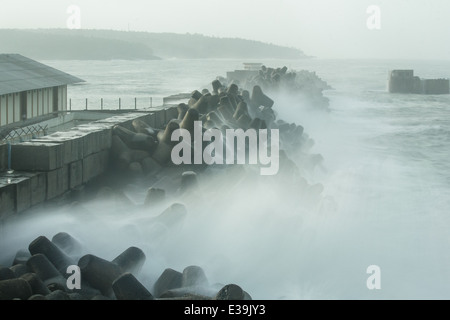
[271, 235]
[369, 188]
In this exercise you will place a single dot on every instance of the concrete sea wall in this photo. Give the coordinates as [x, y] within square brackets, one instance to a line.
[48, 167]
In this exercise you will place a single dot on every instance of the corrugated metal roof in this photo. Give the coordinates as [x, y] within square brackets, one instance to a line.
[19, 73]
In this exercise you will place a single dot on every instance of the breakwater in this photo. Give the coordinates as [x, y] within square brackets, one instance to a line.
[138, 147]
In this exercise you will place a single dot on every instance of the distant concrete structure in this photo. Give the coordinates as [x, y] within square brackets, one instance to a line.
[250, 69]
[254, 66]
[404, 81]
[29, 89]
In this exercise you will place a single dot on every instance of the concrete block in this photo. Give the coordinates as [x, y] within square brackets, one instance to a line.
[146, 117]
[96, 138]
[3, 157]
[57, 182]
[7, 198]
[38, 188]
[72, 144]
[23, 193]
[125, 120]
[75, 174]
[36, 156]
[27, 186]
[152, 120]
[95, 165]
[160, 119]
[171, 113]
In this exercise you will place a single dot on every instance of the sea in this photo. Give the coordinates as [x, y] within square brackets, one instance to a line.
[381, 231]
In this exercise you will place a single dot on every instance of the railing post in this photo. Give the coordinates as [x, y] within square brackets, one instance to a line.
[151, 102]
[86, 103]
[70, 104]
[101, 103]
[135, 103]
[9, 156]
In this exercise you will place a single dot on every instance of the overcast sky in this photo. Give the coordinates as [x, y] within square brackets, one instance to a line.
[407, 29]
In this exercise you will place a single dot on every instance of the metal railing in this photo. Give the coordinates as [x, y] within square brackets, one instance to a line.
[19, 133]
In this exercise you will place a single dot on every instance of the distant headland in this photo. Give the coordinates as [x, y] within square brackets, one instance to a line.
[86, 44]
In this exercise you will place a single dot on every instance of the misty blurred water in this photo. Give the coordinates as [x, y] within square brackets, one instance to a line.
[386, 179]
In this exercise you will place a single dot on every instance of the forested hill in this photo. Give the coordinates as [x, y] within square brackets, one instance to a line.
[48, 44]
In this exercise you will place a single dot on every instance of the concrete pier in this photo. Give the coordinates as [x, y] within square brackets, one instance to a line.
[404, 81]
[48, 167]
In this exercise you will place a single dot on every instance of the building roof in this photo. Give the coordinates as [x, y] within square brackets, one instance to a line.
[18, 73]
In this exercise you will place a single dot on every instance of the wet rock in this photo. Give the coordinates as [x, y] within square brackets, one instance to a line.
[187, 123]
[258, 98]
[240, 110]
[162, 154]
[133, 140]
[182, 108]
[189, 181]
[244, 121]
[21, 257]
[131, 260]
[169, 279]
[173, 215]
[45, 270]
[195, 96]
[67, 243]
[150, 165]
[202, 105]
[36, 284]
[194, 276]
[214, 117]
[57, 295]
[102, 297]
[135, 168]
[99, 273]
[15, 289]
[54, 254]
[189, 293]
[143, 127]
[165, 136]
[37, 297]
[232, 292]
[6, 273]
[106, 280]
[154, 196]
[127, 287]
[19, 270]
[216, 85]
[77, 296]
[118, 146]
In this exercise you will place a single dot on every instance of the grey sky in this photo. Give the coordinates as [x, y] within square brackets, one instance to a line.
[415, 29]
